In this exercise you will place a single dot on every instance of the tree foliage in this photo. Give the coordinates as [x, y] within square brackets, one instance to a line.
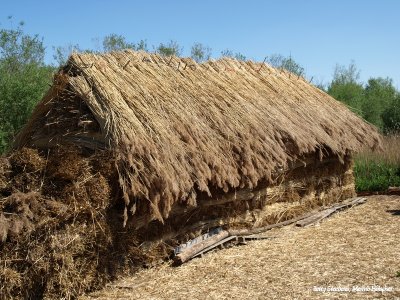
[61, 53]
[345, 75]
[346, 87]
[18, 49]
[391, 117]
[375, 101]
[116, 42]
[111, 42]
[379, 94]
[24, 79]
[169, 49]
[141, 46]
[200, 53]
[287, 63]
[229, 53]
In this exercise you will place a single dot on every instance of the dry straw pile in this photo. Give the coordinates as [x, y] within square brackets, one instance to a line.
[179, 128]
[60, 234]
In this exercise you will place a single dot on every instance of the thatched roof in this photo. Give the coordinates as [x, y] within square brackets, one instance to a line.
[178, 127]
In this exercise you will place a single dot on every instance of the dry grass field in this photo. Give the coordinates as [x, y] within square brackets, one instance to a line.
[390, 153]
[376, 171]
[354, 249]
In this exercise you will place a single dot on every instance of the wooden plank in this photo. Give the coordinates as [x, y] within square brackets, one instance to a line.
[242, 232]
[220, 243]
[190, 252]
[254, 237]
[213, 246]
[394, 190]
[316, 217]
[197, 240]
[329, 211]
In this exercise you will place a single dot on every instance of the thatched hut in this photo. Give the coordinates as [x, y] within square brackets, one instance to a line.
[222, 142]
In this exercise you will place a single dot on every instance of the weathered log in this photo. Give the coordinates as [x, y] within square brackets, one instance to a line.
[329, 211]
[316, 217]
[243, 232]
[394, 190]
[192, 251]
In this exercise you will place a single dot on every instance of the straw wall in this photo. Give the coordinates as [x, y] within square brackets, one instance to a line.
[295, 192]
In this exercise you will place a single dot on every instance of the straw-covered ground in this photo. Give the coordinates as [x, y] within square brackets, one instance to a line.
[354, 249]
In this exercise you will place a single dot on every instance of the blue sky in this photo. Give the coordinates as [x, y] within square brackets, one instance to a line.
[318, 34]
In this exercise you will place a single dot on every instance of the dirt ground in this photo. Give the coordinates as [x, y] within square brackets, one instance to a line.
[357, 251]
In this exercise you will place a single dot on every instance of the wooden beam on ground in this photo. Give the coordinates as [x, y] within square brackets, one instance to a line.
[394, 190]
[329, 211]
[195, 249]
[217, 244]
[243, 232]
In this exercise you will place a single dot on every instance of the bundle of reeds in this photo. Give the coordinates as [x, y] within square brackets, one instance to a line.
[61, 233]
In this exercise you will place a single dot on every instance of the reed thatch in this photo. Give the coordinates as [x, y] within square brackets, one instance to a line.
[178, 128]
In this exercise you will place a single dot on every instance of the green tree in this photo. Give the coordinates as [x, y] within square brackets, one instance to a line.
[111, 42]
[346, 87]
[142, 46]
[18, 49]
[229, 53]
[379, 93]
[344, 75]
[24, 78]
[169, 49]
[115, 42]
[61, 53]
[319, 83]
[200, 53]
[287, 63]
[240, 56]
[391, 116]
